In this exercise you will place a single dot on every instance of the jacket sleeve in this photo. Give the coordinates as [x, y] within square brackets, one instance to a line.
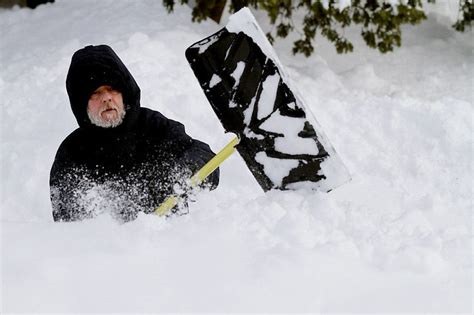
[192, 153]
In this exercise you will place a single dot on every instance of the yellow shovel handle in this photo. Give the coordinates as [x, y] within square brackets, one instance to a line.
[200, 175]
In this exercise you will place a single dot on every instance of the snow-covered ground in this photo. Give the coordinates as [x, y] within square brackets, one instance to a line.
[397, 238]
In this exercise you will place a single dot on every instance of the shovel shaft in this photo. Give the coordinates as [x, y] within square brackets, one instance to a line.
[200, 175]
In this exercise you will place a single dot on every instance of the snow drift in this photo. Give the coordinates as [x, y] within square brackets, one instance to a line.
[397, 238]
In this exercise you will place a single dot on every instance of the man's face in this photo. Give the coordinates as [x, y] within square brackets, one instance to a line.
[105, 107]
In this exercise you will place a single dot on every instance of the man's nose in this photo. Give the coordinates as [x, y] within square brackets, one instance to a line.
[106, 97]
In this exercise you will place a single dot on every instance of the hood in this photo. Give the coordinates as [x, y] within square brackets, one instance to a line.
[92, 67]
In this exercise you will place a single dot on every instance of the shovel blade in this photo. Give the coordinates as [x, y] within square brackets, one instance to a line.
[245, 84]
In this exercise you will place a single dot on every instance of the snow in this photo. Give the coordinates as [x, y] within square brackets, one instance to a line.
[397, 238]
[275, 169]
[268, 96]
[291, 143]
[214, 80]
[244, 21]
[239, 70]
[342, 4]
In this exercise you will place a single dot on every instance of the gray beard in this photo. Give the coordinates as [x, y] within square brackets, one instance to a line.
[99, 122]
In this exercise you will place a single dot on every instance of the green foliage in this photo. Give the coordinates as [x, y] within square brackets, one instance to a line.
[380, 22]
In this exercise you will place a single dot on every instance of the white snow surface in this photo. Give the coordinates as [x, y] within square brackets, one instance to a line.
[396, 239]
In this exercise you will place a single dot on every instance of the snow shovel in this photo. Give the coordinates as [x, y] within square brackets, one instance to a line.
[248, 89]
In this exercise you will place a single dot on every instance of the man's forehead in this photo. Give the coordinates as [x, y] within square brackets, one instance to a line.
[104, 88]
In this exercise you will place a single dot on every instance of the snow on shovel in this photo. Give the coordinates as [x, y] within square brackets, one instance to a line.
[249, 91]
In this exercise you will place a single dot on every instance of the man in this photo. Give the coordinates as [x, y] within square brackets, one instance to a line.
[123, 158]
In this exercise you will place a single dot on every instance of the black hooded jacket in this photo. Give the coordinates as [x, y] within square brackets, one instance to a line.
[129, 168]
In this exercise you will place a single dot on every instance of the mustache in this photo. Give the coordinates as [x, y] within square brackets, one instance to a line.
[109, 106]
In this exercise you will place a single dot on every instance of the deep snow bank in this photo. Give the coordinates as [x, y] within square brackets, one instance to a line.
[397, 238]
